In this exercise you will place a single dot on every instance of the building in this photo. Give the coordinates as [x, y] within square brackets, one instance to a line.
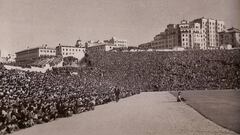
[29, 55]
[7, 59]
[172, 36]
[200, 33]
[117, 42]
[210, 29]
[159, 41]
[101, 47]
[145, 45]
[106, 45]
[167, 39]
[76, 51]
[164, 40]
[231, 37]
[94, 43]
[11, 58]
[190, 35]
[186, 35]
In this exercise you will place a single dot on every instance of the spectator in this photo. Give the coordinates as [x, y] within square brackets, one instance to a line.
[29, 98]
[117, 93]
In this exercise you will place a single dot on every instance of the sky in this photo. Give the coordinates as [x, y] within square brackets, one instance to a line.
[31, 23]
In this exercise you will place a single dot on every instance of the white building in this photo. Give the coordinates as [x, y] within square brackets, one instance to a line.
[11, 58]
[106, 45]
[190, 35]
[117, 42]
[210, 29]
[101, 48]
[31, 54]
[200, 33]
[76, 51]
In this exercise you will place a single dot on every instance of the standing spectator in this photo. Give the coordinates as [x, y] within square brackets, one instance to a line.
[117, 93]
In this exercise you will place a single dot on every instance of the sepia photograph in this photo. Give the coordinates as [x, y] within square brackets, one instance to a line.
[119, 67]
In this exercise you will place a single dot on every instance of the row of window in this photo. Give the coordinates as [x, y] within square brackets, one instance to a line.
[48, 51]
[185, 35]
[213, 23]
[184, 26]
[101, 48]
[45, 55]
[71, 50]
[68, 53]
[185, 39]
[185, 44]
[120, 42]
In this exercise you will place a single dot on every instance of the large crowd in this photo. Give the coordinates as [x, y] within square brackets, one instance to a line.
[29, 98]
[161, 71]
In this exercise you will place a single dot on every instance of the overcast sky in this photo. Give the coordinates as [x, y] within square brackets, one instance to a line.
[35, 22]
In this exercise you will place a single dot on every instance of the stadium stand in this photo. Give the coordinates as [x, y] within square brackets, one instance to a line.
[29, 98]
[161, 71]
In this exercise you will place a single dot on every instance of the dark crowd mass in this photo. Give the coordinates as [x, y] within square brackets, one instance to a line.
[30, 98]
[166, 71]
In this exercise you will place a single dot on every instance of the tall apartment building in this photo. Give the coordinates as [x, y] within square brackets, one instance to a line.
[210, 29]
[190, 35]
[200, 33]
[167, 39]
[185, 34]
[159, 42]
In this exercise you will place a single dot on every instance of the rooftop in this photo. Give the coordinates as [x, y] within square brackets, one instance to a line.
[28, 49]
[69, 46]
[233, 30]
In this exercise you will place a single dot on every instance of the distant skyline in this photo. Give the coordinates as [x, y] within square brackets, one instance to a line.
[32, 23]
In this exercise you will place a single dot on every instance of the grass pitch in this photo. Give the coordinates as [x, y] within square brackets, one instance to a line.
[219, 106]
